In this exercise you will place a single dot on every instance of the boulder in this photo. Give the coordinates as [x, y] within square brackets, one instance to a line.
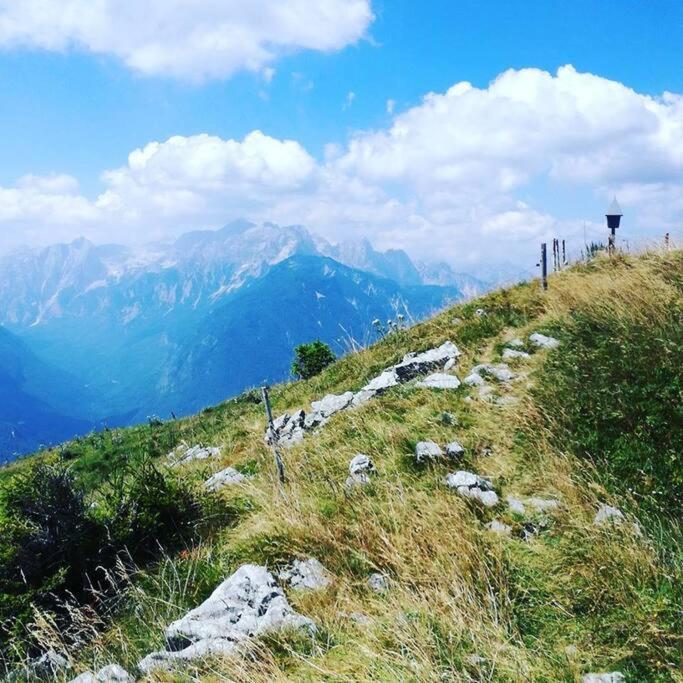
[509, 354]
[471, 485]
[608, 514]
[306, 575]
[543, 342]
[287, 429]
[360, 469]
[223, 478]
[474, 380]
[515, 343]
[454, 450]
[414, 364]
[378, 582]
[612, 677]
[498, 527]
[427, 451]
[113, 673]
[247, 604]
[439, 380]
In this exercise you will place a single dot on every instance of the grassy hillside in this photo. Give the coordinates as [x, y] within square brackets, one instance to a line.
[597, 420]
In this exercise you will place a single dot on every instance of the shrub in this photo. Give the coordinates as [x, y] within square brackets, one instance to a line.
[311, 359]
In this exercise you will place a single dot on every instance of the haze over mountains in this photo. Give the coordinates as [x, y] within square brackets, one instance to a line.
[115, 334]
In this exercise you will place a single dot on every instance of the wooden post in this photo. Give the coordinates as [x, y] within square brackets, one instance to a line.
[273, 436]
[564, 254]
[666, 242]
[544, 265]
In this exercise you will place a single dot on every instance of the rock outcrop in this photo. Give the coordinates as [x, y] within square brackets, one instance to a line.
[439, 380]
[113, 673]
[184, 453]
[247, 604]
[543, 342]
[608, 514]
[612, 677]
[473, 486]
[427, 451]
[223, 478]
[290, 429]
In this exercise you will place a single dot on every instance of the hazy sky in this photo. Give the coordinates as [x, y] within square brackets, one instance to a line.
[456, 129]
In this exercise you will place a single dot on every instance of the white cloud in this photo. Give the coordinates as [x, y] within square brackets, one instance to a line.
[448, 179]
[349, 99]
[391, 105]
[184, 38]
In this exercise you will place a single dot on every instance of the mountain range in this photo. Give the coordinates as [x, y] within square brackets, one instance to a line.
[124, 333]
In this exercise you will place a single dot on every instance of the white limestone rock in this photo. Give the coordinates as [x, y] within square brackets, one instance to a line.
[49, 665]
[497, 527]
[332, 403]
[608, 514]
[306, 575]
[113, 673]
[427, 451]
[414, 364]
[544, 505]
[515, 505]
[378, 582]
[439, 380]
[510, 354]
[247, 604]
[515, 343]
[287, 429]
[473, 486]
[480, 312]
[450, 364]
[612, 677]
[454, 450]
[184, 453]
[360, 469]
[500, 372]
[474, 380]
[225, 477]
[543, 342]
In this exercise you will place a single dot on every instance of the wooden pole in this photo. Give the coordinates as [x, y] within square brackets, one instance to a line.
[273, 436]
[564, 254]
[666, 241]
[544, 265]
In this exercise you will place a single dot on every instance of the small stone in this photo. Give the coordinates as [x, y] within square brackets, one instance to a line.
[475, 660]
[607, 513]
[544, 504]
[332, 403]
[543, 342]
[113, 673]
[515, 343]
[456, 321]
[223, 478]
[360, 468]
[516, 505]
[498, 527]
[360, 618]
[500, 372]
[512, 354]
[473, 380]
[306, 575]
[183, 453]
[506, 400]
[454, 450]
[480, 312]
[427, 451]
[471, 485]
[378, 582]
[612, 677]
[439, 380]
[529, 530]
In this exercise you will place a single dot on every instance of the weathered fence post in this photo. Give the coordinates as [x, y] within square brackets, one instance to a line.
[544, 265]
[273, 436]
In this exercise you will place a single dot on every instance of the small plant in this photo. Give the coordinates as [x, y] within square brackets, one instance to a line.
[391, 327]
[311, 359]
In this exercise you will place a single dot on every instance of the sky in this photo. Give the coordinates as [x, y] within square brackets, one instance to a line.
[459, 130]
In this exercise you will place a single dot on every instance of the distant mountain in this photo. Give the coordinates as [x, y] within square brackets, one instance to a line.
[442, 274]
[137, 327]
[249, 338]
[37, 401]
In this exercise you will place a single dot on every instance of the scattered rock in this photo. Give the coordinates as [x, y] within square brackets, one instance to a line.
[49, 665]
[509, 354]
[183, 453]
[440, 380]
[613, 677]
[473, 380]
[378, 582]
[456, 321]
[498, 527]
[306, 575]
[360, 469]
[516, 505]
[486, 451]
[455, 450]
[248, 603]
[427, 451]
[113, 673]
[500, 372]
[543, 342]
[515, 343]
[360, 618]
[607, 513]
[223, 478]
[288, 429]
[414, 364]
[475, 660]
[506, 401]
[450, 364]
[473, 486]
[480, 312]
[529, 530]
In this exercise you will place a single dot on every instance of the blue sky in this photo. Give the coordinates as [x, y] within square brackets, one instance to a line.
[76, 107]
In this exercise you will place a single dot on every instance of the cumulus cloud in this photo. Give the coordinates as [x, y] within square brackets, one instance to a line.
[184, 38]
[449, 178]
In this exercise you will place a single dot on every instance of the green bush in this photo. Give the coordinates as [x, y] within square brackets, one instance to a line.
[311, 359]
[55, 546]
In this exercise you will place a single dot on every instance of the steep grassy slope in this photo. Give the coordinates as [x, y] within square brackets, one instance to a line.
[597, 420]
